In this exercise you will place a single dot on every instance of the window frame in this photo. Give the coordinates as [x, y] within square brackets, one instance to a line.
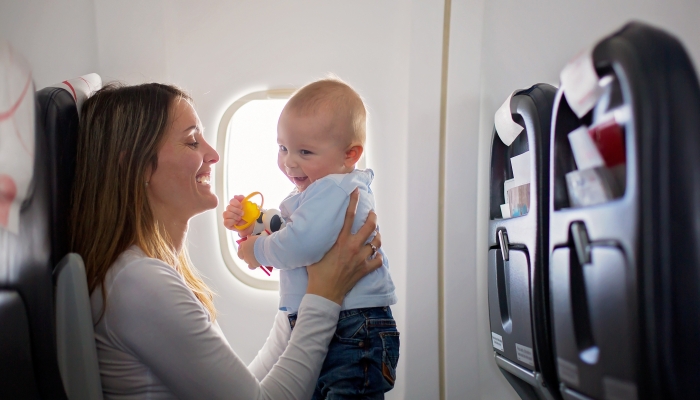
[222, 145]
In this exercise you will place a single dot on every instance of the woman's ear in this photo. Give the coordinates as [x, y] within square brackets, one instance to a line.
[353, 154]
[147, 175]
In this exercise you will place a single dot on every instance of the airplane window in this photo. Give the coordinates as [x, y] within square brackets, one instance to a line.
[248, 143]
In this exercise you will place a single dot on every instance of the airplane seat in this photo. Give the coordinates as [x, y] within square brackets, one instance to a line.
[518, 243]
[624, 237]
[77, 354]
[60, 107]
[28, 362]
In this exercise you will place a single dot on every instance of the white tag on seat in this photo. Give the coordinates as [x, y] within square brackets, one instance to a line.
[579, 81]
[506, 128]
[497, 341]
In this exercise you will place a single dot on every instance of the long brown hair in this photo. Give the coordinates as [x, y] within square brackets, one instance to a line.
[121, 130]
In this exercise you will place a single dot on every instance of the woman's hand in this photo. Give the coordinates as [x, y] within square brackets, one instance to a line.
[349, 258]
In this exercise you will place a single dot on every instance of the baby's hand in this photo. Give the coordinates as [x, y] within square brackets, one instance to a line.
[233, 214]
[246, 252]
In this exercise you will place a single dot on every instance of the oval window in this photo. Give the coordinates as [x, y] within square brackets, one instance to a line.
[248, 142]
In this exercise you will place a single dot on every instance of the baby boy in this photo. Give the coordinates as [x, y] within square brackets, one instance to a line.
[321, 136]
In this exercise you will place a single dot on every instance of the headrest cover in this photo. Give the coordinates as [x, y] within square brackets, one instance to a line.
[506, 128]
[81, 88]
[579, 81]
[16, 135]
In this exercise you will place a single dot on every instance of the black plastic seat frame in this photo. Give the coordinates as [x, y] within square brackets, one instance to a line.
[653, 227]
[518, 286]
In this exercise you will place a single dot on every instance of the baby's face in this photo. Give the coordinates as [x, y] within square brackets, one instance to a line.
[308, 148]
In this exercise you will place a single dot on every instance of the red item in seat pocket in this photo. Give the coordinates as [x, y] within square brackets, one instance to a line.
[609, 139]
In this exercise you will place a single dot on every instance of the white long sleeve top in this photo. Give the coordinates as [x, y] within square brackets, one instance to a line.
[273, 348]
[155, 340]
[314, 219]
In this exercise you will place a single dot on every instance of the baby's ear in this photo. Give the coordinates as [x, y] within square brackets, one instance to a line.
[353, 154]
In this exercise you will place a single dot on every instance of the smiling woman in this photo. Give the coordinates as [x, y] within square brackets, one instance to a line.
[181, 179]
[145, 145]
[156, 330]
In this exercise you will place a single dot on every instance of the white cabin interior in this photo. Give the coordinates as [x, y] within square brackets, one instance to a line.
[431, 72]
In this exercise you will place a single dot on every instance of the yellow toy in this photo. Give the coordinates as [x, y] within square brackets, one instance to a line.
[251, 211]
[266, 221]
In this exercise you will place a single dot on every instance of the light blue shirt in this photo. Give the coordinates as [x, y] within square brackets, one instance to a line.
[314, 218]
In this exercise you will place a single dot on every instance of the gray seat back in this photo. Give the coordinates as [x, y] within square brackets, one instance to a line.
[77, 355]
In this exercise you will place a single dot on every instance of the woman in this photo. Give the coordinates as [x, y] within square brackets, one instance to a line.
[142, 173]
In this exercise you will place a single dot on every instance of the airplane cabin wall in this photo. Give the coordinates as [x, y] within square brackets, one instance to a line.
[56, 38]
[462, 372]
[526, 43]
[420, 351]
[391, 51]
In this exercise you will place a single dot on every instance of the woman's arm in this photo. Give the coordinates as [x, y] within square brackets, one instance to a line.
[273, 348]
[152, 315]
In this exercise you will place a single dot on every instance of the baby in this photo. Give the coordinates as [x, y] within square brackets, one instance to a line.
[321, 136]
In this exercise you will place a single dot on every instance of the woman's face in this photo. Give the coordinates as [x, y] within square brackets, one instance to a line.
[180, 186]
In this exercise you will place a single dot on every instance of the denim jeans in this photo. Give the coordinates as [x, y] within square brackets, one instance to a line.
[362, 356]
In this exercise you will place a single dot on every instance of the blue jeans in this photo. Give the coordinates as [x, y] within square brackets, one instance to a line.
[362, 356]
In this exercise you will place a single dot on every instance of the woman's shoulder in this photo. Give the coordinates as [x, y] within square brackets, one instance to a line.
[139, 286]
[133, 267]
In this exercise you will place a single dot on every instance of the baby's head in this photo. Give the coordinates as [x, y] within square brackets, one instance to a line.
[321, 131]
